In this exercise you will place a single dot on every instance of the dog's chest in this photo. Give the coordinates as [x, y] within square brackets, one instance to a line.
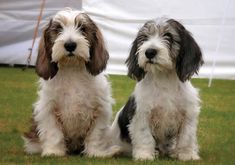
[165, 124]
[78, 112]
[166, 116]
[76, 107]
[165, 109]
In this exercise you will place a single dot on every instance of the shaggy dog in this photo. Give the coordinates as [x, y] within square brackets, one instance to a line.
[74, 109]
[161, 116]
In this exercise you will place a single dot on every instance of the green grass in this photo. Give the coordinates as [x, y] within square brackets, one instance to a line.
[216, 131]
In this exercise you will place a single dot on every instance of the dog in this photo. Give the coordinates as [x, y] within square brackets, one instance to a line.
[74, 109]
[161, 116]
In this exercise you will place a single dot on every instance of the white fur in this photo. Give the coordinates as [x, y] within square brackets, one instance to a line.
[78, 95]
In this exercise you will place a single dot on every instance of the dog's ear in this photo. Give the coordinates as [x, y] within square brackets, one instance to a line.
[45, 68]
[189, 58]
[98, 53]
[134, 71]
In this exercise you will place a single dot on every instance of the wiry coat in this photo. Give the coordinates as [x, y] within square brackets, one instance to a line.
[74, 109]
[161, 116]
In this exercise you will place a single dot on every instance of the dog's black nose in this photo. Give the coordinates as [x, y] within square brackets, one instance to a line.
[150, 53]
[70, 46]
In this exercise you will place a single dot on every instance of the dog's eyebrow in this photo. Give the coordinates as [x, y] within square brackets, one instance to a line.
[78, 22]
[57, 24]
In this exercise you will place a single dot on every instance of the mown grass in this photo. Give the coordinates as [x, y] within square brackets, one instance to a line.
[216, 131]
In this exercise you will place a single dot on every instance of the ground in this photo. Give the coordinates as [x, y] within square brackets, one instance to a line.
[216, 130]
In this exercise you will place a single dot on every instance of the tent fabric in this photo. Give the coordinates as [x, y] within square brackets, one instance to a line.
[119, 20]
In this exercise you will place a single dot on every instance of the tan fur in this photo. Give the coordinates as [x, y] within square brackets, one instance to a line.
[160, 119]
[99, 55]
[32, 134]
[44, 66]
[72, 143]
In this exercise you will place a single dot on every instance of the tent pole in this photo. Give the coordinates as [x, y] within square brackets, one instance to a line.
[221, 34]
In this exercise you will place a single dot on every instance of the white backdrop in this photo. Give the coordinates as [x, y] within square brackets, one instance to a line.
[212, 23]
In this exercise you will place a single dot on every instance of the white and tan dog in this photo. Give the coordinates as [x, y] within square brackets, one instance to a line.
[74, 110]
[161, 116]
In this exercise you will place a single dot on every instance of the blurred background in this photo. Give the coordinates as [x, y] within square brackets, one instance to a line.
[212, 23]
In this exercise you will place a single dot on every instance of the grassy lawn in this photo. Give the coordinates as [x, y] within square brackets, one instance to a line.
[216, 131]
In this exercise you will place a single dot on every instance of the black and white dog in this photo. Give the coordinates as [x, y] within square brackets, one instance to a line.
[161, 116]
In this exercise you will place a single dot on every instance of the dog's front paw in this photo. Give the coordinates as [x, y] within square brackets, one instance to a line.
[53, 152]
[188, 156]
[143, 155]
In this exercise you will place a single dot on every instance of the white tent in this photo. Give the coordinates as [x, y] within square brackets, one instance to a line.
[211, 22]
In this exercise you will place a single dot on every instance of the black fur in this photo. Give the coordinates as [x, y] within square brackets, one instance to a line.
[134, 71]
[124, 118]
[190, 57]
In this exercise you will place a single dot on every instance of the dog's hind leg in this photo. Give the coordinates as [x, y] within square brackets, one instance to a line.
[99, 142]
[31, 140]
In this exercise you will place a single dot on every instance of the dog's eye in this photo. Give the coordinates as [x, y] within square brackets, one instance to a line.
[169, 35]
[142, 37]
[83, 29]
[58, 28]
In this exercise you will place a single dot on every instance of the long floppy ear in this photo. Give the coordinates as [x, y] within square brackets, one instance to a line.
[44, 67]
[98, 54]
[134, 71]
[189, 58]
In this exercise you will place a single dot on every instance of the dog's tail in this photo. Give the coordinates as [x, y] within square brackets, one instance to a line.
[31, 140]
[115, 136]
